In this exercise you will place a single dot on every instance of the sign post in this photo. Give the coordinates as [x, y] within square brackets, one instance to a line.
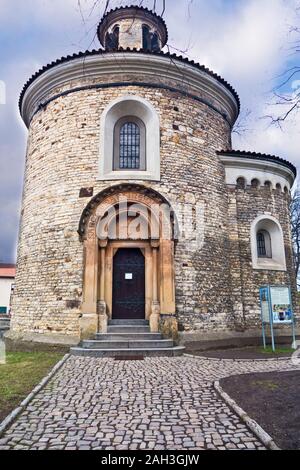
[276, 309]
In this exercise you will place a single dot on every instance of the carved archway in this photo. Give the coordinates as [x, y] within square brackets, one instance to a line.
[127, 216]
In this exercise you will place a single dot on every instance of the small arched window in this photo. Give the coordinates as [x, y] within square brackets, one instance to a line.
[146, 38]
[241, 183]
[130, 144]
[255, 183]
[155, 43]
[112, 39]
[150, 40]
[264, 248]
[267, 244]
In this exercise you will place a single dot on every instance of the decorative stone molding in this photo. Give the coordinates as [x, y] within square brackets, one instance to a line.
[99, 254]
[110, 196]
[263, 170]
[277, 262]
[130, 105]
[157, 69]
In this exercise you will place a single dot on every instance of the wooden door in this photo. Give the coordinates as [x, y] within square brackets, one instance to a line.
[129, 284]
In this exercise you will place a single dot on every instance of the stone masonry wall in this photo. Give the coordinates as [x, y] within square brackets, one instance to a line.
[216, 288]
[63, 157]
[244, 206]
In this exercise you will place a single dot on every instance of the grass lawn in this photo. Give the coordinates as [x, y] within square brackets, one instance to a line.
[278, 350]
[252, 352]
[21, 373]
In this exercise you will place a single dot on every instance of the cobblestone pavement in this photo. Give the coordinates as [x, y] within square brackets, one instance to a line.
[158, 403]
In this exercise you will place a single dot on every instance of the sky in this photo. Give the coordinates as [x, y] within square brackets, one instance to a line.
[247, 42]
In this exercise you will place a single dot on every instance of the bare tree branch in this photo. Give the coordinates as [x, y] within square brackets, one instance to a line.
[289, 101]
[241, 126]
[295, 227]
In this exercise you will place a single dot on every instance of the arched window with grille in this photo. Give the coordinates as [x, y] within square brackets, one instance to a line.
[129, 144]
[264, 247]
[267, 244]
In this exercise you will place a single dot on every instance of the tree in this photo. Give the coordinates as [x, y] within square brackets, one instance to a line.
[288, 103]
[295, 222]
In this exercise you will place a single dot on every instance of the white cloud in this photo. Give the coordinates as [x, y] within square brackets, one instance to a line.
[296, 84]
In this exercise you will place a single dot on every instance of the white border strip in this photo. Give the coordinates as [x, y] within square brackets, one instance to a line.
[264, 437]
[14, 414]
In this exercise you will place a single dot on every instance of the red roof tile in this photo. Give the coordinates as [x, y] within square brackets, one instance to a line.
[7, 270]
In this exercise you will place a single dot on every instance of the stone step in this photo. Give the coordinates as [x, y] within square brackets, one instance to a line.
[129, 322]
[128, 336]
[127, 353]
[128, 329]
[134, 344]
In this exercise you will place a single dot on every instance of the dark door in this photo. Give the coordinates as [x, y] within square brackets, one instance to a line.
[129, 284]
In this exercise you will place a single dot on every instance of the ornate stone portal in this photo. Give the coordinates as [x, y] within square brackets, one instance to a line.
[128, 216]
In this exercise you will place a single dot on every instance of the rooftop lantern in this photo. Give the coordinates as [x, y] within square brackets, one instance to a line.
[132, 28]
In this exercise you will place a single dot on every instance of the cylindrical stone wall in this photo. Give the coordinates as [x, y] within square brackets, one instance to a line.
[216, 288]
[63, 157]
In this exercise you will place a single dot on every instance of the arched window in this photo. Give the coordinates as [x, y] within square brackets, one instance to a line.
[130, 144]
[155, 43]
[150, 40]
[241, 183]
[112, 39]
[267, 244]
[131, 152]
[146, 38]
[255, 183]
[264, 248]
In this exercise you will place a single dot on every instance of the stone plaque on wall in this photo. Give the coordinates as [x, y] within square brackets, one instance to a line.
[86, 192]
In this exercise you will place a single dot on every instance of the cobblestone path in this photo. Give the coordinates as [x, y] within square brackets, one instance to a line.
[158, 403]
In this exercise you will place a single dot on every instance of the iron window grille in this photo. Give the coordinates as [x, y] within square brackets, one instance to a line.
[130, 145]
[264, 244]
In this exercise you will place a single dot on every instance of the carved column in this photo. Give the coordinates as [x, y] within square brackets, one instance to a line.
[155, 308]
[103, 320]
[89, 319]
[168, 321]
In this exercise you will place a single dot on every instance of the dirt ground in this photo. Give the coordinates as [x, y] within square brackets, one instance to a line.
[271, 399]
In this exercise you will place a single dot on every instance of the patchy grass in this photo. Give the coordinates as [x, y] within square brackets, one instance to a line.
[273, 400]
[266, 384]
[278, 350]
[21, 373]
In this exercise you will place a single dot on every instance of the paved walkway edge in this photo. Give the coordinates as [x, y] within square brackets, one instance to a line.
[218, 359]
[263, 436]
[14, 414]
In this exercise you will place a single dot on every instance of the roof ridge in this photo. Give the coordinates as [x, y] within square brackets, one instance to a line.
[259, 156]
[137, 7]
[86, 53]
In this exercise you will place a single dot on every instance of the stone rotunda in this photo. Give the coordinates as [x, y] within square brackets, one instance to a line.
[135, 206]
